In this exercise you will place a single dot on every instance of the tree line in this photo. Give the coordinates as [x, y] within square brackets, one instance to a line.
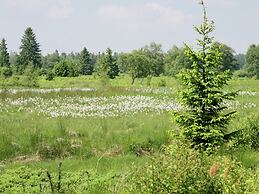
[147, 62]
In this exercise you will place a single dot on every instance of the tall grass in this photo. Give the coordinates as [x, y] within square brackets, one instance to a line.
[30, 134]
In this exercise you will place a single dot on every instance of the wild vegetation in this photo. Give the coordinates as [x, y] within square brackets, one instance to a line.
[115, 122]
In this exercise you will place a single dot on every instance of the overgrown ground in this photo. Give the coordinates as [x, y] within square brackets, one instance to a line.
[105, 129]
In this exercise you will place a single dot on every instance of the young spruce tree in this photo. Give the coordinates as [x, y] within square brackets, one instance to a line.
[111, 62]
[86, 62]
[107, 66]
[204, 119]
[4, 55]
[5, 69]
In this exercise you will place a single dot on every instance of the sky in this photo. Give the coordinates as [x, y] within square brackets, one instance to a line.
[124, 25]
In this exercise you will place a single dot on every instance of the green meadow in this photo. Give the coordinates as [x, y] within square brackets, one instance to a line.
[43, 126]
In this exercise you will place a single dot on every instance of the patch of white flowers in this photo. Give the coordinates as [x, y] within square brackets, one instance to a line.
[149, 90]
[234, 105]
[46, 91]
[79, 107]
[247, 93]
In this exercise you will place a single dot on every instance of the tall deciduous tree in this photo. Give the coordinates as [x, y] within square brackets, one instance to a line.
[175, 61]
[203, 119]
[4, 55]
[252, 61]
[30, 51]
[136, 65]
[229, 61]
[51, 59]
[155, 55]
[241, 60]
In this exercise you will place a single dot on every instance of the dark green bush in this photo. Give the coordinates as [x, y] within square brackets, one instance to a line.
[49, 75]
[5, 72]
[66, 68]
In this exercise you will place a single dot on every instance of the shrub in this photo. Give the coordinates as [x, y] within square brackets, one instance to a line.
[49, 75]
[249, 135]
[181, 169]
[31, 77]
[242, 73]
[140, 149]
[5, 72]
[162, 83]
[66, 68]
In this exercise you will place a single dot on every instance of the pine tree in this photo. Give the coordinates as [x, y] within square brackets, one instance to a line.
[30, 51]
[4, 55]
[87, 65]
[111, 62]
[204, 118]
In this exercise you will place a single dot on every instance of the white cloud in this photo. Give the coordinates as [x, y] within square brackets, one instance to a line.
[61, 10]
[54, 9]
[28, 4]
[150, 13]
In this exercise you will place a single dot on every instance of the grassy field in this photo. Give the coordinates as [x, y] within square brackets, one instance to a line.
[104, 128]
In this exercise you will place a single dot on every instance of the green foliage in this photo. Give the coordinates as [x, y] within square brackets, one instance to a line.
[229, 61]
[5, 72]
[111, 62]
[248, 136]
[241, 60]
[30, 51]
[107, 66]
[175, 61]
[136, 65]
[4, 55]
[86, 63]
[203, 120]
[122, 62]
[50, 60]
[145, 148]
[27, 180]
[252, 61]
[66, 68]
[30, 78]
[143, 63]
[242, 73]
[155, 56]
[181, 169]
[102, 69]
[50, 75]
[162, 83]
